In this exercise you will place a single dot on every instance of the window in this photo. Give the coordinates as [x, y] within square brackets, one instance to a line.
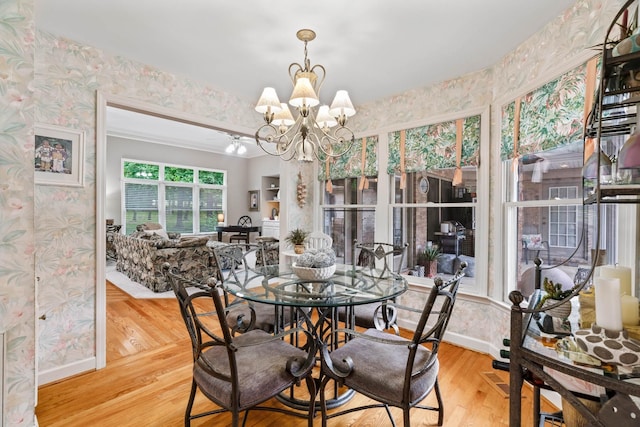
[350, 185]
[183, 199]
[542, 154]
[349, 214]
[434, 182]
[563, 220]
[552, 211]
[442, 217]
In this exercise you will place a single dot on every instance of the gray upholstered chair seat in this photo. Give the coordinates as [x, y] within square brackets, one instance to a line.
[237, 373]
[259, 376]
[379, 368]
[392, 370]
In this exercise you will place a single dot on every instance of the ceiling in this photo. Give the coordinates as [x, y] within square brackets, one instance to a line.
[372, 48]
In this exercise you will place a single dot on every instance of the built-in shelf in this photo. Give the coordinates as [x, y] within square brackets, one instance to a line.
[271, 204]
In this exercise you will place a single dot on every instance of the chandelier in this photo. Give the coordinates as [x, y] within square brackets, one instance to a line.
[316, 129]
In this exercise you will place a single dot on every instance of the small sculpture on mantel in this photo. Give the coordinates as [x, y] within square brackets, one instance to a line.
[301, 191]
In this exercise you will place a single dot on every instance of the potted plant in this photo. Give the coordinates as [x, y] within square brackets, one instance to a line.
[554, 293]
[429, 258]
[296, 238]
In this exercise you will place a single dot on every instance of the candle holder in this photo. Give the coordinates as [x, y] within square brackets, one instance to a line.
[613, 347]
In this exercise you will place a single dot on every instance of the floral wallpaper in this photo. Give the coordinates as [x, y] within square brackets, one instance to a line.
[67, 78]
[17, 284]
[50, 80]
[434, 146]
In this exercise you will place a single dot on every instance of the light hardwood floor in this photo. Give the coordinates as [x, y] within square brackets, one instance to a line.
[148, 375]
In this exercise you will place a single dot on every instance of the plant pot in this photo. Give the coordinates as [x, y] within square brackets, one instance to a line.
[431, 268]
[299, 249]
[561, 312]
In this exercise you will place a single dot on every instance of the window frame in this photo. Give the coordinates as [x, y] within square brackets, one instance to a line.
[162, 185]
[384, 208]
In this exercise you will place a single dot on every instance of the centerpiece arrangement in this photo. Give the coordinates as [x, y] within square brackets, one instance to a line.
[315, 264]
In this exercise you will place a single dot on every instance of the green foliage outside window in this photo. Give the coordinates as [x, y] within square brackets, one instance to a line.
[174, 174]
[209, 177]
[141, 170]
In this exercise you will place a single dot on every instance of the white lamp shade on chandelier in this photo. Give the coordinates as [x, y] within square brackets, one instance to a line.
[315, 131]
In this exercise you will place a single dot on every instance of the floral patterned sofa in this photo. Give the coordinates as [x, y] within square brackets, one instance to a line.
[140, 257]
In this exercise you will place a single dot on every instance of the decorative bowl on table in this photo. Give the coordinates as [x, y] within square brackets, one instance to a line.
[313, 273]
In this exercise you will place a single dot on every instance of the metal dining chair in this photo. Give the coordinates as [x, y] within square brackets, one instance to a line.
[242, 236]
[237, 373]
[389, 369]
[242, 264]
[377, 260]
[318, 240]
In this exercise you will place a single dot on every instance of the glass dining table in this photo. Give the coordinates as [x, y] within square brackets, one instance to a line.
[313, 304]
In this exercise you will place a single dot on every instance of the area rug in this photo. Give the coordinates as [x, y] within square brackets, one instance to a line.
[135, 289]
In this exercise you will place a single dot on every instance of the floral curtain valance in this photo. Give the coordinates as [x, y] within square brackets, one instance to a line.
[350, 165]
[550, 116]
[434, 146]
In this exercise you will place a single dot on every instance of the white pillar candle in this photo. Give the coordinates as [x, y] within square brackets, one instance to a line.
[630, 312]
[618, 272]
[608, 308]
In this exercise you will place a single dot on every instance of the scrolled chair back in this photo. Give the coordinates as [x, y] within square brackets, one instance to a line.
[225, 366]
[378, 259]
[402, 371]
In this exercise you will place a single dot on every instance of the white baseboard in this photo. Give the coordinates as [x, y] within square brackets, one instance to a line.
[61, 372]
[458, 339]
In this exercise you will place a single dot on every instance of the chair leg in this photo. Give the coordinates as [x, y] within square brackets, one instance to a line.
[440, 404]
[311, 387]
[405, 417]
[192, 395]
[323, 401]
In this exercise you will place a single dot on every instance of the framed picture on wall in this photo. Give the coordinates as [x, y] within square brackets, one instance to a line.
[254, 200]
[59, 156]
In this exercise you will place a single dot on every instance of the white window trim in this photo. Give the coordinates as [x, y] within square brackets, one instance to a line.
[162, 184]
[384, 207]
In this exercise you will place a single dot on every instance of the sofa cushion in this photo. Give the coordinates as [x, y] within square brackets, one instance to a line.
[470, 271]
[532, 241]
[213, 244]
[445, 263]
[186, 242]
[149, 226]
[159, 232]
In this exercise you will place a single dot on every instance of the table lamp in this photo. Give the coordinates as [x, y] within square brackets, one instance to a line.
[220, 219]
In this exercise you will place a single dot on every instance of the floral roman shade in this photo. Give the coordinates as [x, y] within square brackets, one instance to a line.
[353, 164]
[550, 116]
[434, 146]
